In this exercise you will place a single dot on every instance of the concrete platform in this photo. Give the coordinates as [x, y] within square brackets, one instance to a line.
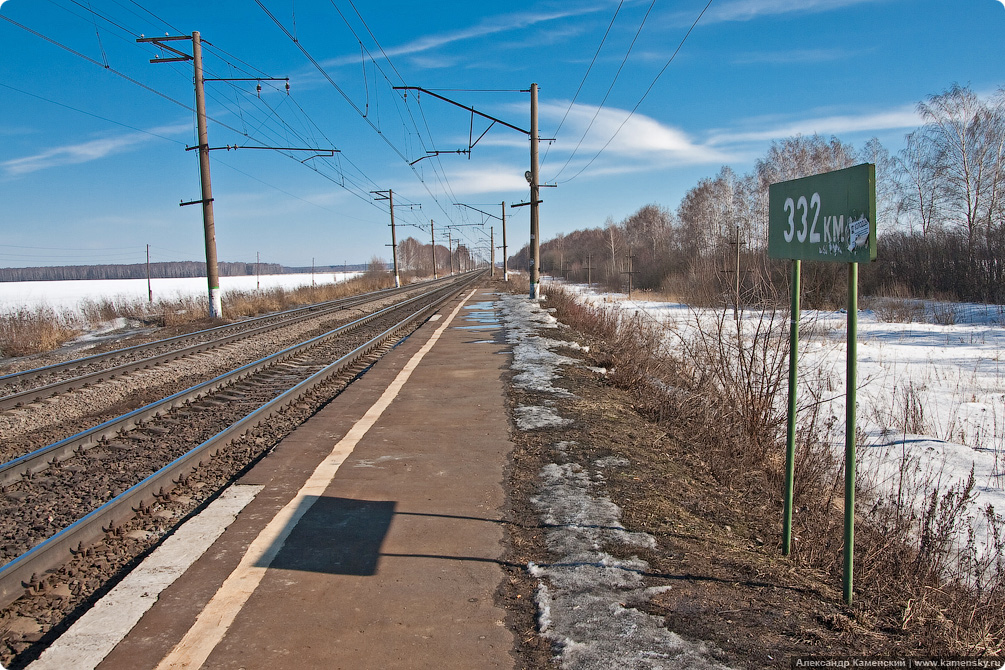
[389, 555]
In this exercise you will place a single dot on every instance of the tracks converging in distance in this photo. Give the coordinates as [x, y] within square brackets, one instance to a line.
[61, 497]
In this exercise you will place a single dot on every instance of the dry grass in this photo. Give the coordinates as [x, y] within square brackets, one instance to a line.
[25, 331]
[918, 567]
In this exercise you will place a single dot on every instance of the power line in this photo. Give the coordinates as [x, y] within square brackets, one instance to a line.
[352, 103]
[609, 89]
[96, 116]
[583, 82]
[644, 95]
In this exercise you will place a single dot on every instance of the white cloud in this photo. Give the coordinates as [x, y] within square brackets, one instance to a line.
[746, 10]
[642, 138]
[905, 117]
[492, 179]
[84, 152]
[489, 26]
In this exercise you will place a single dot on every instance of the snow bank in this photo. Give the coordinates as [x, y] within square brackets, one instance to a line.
[68, 295]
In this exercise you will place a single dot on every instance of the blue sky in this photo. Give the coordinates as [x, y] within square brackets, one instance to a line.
[93, 162]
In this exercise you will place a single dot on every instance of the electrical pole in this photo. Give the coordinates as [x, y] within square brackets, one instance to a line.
[394, 241]
[505, 260]
[150, 289]
[432, 233]
[258, 271]
[450, 252]
[209, 225]
[535, 242]
[589, 271]
[736, 275]
[630, 272]
[492, 248]
[532, 175]
[212, 271]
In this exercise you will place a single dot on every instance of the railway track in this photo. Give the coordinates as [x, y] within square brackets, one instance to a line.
[65, 496]
[21, 388]
[75, 396]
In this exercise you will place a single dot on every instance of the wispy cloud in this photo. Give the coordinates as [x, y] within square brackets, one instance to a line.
[903, 117]
[489, 26]
[642, 139]
[746, 10]
[84, 152]
[492, 179]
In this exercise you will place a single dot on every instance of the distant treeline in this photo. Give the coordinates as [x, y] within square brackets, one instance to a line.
[134, 271]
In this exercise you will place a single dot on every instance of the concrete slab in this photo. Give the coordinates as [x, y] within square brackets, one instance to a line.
[395, 562]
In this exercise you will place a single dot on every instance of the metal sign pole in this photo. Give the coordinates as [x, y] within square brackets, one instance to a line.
[790, 444]
[849, 449]
[829, 217]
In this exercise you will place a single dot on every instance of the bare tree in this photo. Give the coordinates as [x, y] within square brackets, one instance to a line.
[963, 140]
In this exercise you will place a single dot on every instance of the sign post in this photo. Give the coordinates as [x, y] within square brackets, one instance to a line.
[827, 217]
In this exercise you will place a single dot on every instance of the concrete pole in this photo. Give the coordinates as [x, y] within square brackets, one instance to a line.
[492, 247]
[394, 241]
[432, 233]
[150, 288]
[212, 272]
[450, 252]
[505, 261]
[535, 242]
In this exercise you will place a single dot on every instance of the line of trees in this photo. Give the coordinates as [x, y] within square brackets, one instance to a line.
[940, 205]
[416, 258]
[134, 271]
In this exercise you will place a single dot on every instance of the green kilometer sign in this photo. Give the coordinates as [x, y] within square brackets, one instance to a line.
[826, 217]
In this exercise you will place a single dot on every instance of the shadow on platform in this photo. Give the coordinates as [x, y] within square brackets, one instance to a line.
[339, 536]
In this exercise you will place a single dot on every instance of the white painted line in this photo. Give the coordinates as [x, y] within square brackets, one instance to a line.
[96, 633]
[214, 621]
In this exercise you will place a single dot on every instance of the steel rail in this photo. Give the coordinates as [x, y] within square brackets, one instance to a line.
[274, 321]
[18, 574]
[39, 460]
[41, 392]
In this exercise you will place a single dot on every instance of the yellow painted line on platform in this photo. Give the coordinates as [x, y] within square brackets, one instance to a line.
[216, 618]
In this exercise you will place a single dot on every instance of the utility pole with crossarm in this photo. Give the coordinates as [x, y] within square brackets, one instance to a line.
[531, 174]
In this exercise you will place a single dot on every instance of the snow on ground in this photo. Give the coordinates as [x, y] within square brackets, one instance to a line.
[587, 598]
[931, 397]
[68, 295]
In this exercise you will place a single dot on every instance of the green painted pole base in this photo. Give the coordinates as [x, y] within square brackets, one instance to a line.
[849, 453]
[790, 444]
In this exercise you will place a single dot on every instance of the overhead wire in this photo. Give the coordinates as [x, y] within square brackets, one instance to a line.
[609, 89]
[583, 81]
[440, 175]
[91, 114]
[644, 95]
[118, 25]
[348, 182]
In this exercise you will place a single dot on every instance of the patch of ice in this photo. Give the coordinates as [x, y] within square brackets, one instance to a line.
[587, 598]
[531, 417]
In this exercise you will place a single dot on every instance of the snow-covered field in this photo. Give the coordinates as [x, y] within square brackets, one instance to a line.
[68, 295]
[931, 398]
